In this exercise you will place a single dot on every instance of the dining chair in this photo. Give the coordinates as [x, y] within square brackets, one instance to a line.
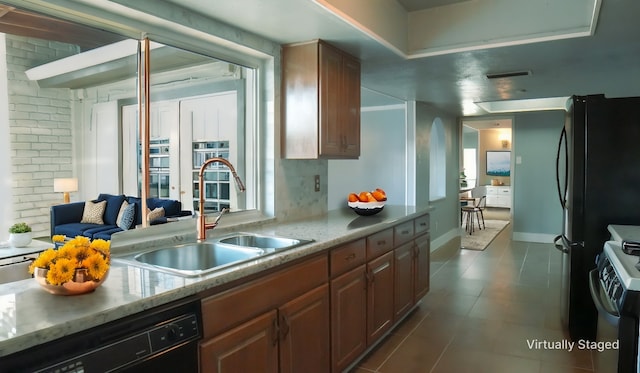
[472, 212]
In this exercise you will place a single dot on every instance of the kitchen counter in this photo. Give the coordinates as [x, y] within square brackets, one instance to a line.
[30, 316]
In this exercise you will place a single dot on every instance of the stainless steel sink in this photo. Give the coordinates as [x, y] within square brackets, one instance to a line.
[266, 243]
[195, 259]
[200, 258]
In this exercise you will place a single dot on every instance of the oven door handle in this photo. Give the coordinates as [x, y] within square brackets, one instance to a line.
[612, 316]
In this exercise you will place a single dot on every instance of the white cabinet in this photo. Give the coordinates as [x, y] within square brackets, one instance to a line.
[499, 196]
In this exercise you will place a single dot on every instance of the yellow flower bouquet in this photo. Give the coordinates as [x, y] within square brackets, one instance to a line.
[79, 266]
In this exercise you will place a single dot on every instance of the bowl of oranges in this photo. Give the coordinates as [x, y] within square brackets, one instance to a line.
[367, 203]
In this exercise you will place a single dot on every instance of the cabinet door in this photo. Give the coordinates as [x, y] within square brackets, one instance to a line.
[348, 317]
[422, 249]
[379, 296]
[304, 333]
[403, 280]
[331, 138]
[250, 347]
[350, 123]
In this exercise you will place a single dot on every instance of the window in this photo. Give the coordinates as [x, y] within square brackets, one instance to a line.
[437, 161]
[198, 111]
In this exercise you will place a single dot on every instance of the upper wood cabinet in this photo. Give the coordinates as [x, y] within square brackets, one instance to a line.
[321, 102]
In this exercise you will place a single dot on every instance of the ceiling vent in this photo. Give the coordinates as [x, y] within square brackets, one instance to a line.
[508, 75]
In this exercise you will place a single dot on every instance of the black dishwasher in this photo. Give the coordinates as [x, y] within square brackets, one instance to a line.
[162, 339]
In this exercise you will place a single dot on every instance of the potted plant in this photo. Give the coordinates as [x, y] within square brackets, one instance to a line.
[20, 235]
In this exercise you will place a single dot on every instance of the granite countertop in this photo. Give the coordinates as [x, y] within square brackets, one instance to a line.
[31, 316]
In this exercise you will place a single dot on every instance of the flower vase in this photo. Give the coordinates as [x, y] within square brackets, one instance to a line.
[81, 283]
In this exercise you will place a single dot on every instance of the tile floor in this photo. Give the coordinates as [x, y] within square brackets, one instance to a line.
[482, 309]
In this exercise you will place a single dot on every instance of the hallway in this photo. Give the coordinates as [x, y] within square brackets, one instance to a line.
[482, 312]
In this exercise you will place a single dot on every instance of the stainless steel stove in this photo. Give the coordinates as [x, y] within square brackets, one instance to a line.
[615, 289]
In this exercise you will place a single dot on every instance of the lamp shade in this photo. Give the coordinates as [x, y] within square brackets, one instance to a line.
[65, 185]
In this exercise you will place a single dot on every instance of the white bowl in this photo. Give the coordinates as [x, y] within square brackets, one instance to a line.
[366, 208]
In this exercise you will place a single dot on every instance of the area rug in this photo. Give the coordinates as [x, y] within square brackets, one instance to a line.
[480, 239]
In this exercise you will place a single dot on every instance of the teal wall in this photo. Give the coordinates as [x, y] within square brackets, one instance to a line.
[444, 216]
[382, 161]
[537, 212]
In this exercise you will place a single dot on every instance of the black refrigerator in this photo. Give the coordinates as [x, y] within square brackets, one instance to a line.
[598, 174]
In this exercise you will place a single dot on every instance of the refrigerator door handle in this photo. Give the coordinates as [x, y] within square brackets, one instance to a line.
[566, 244]
[560, 246]
[561, 196]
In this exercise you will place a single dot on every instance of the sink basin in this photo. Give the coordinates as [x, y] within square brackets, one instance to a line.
[200, 258]
[266, 243]
[195, 259]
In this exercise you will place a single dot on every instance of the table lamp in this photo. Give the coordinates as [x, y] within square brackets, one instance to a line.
[65, 186]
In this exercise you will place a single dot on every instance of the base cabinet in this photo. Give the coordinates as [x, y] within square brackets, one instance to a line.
[277, 323]
[499, 196]
[293, 338]
[348, 317]
[379, 296]
[403, 298]
[249, 347]
[422, 250]
[320, 315]
[304, 333]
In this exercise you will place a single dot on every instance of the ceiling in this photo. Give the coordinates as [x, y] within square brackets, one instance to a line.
[453, 79]
[440, 51]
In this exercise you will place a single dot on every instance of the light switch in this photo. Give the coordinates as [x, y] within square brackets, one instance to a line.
[518, 159]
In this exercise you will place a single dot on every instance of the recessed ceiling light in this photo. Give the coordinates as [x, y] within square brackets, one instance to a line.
[535, 104]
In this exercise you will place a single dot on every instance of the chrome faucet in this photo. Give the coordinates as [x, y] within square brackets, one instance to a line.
[202, 225]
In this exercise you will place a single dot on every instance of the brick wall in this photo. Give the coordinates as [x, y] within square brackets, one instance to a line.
[40, 131]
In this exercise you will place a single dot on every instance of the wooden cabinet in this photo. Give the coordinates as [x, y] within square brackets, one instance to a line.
[348, 317]
[499, 196]
[321, 102]
[411, 259]
[322, 314]
[379, 296]
[276, 323]
[421, 262]
[304, 333]
[245, 348]
[403, 298]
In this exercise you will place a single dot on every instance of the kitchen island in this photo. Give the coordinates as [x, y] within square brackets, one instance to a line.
[31, 316]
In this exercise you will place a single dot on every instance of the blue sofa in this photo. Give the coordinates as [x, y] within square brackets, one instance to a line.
[66, 218]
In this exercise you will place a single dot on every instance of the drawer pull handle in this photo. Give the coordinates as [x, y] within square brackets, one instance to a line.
[382, 242]
[423, 224]
[284, 327]
[404, 232]
[350, 257]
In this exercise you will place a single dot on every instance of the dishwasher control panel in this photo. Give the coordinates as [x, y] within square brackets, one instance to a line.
[133, 348]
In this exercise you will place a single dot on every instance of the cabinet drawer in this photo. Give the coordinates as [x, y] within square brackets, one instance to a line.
[421, 224]
[230, 308]
[379, 243]
[403, 233]
[346, 257]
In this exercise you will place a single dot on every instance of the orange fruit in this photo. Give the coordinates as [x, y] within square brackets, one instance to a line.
[379, 196]
[353, 197]
[382, 191]
[363, 197]
[371, 198]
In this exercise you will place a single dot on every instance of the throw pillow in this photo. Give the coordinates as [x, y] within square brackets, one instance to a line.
[126, 216]
[158, 212]
[93, 212]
